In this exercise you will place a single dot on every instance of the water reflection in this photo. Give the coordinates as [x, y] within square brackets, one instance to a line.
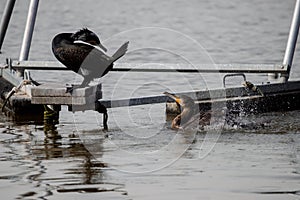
[63, 165]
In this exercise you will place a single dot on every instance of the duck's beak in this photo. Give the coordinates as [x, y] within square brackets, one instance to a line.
[102, 47]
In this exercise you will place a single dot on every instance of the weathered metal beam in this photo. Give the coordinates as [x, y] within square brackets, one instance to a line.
[158, 67]
[9, 6]
[10, 76]
[238, 93]
[203, 68]
[134, 101]
[38, 65]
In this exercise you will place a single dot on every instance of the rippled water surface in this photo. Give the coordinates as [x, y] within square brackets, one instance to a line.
[140, 157]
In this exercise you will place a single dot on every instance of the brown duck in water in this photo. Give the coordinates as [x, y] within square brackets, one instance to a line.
[190, 112]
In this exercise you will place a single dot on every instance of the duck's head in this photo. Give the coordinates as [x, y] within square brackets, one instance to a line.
[87, 36]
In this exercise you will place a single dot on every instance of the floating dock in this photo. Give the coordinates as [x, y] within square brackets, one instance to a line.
[266, 98]
[24, 100]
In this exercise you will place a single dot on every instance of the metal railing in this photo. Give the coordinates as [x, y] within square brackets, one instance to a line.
[162, 67]
[283, 69]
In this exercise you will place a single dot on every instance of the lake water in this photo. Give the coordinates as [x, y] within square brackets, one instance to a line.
[140, 157]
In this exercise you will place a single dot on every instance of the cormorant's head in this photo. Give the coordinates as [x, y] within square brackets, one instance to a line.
[87, 36]
[183, 100]
[188, 109]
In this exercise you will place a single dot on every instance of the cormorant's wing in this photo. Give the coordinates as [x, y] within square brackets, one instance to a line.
[96, 62]
[118, 54]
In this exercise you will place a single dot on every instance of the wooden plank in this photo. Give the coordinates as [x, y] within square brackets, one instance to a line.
[60, 90]
[64, 100]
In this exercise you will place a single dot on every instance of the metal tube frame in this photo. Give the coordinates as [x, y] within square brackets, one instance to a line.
[31, 17]
[291, 43]
[5, 19]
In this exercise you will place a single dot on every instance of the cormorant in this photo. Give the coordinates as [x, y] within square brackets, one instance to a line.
[83, 53]
[190, 112]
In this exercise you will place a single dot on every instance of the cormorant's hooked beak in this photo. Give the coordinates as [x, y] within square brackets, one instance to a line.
[102, 47]
[176, 98]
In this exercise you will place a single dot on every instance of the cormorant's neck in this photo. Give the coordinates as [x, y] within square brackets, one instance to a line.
[182, 118]
[187, 113]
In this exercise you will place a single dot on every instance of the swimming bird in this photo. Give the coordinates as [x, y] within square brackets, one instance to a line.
[83, 53]
[190, 112]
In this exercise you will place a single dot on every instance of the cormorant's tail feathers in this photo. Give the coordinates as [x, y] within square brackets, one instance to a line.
[120, 52]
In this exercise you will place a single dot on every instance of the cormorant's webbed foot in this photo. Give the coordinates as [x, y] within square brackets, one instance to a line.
[84, 83]
[71, 88]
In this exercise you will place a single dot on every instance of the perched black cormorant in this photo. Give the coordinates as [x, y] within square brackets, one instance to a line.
[190, 112]
[83, 53]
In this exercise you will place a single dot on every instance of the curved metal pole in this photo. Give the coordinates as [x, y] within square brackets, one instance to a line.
[292, 41]
[5, 19]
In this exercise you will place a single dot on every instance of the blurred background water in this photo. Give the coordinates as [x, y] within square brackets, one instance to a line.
[75, 159]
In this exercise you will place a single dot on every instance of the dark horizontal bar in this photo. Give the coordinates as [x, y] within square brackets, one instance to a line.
[208, 96]
[134, 101]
